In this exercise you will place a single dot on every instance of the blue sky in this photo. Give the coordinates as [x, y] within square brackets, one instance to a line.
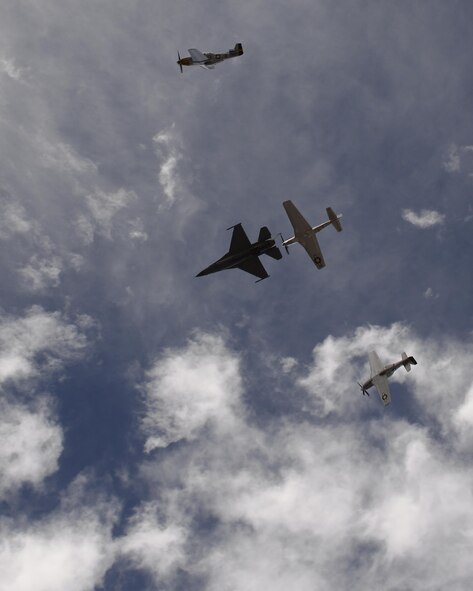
[161, 431]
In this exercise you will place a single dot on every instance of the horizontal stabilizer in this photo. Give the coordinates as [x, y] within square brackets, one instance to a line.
[274, 252]
[264, 234]
[334, 218]
[408, 361]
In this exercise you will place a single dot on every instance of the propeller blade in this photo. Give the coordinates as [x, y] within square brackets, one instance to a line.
[179, 62]
[285, 245]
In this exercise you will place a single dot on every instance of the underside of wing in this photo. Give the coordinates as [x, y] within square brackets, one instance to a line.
[240, 240]
[298, 221]
[376, 365]
[381, 384]
[197, 56]
[254, 266]
[311, 244]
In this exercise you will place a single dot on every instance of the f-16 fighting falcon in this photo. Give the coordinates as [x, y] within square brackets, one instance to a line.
[208, 60]
[305, 234]
[380, 374]
[244, 255]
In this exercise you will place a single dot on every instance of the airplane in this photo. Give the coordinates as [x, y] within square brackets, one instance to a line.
[207, 60]
[305, 234]
[244, 255]
[380, 374]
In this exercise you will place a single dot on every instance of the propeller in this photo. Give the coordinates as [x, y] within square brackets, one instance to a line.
[285, 245]
[179, 61]
[363, 391]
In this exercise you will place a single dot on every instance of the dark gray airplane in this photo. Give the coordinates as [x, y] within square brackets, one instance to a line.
[244, 255]
[208, 60]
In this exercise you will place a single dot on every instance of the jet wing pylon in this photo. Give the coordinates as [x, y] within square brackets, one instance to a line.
[382, 385]
[254, 266]
[240, 240]
[197, 56]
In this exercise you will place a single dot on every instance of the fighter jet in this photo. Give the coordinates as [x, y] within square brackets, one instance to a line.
[244, 255]
[305, 234]
[380, 374]
[207, 60]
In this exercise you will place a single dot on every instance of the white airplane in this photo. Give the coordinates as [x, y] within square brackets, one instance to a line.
[208, 60]
[380, 374]
[304, 233]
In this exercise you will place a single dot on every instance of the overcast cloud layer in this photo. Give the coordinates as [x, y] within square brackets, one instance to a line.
[161, 431]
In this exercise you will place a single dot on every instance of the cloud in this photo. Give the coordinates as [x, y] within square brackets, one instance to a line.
[169, 152]
[348, 503]
[187, 390]
[32, 349]
[151, 545]
[37, 344]
[426, 219]
[452, 164]
[8, 67]
[102, 208]
[70, 549]
[32, 442]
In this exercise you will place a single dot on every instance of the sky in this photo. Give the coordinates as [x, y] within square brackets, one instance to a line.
[165, 432]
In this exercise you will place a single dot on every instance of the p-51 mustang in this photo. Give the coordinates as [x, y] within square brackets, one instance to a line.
[208, 60]
[244, 255]
[380, 374]
[305, 234]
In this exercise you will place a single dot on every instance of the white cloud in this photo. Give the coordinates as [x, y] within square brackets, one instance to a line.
[13, 219]
[357, 501]
[429, 294]
[42, 333]
[63, 158]
[31, 445]
[102, 208]
[8, 67]
[426, 218]
[41, 273]
[189, 389]
[452, 164]
[151, 545]
[71, 549]
[32, 348]
[288, 364]
[169, 152]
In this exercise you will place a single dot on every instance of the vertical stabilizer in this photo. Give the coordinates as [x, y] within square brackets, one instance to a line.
[408, 361]
[264, 234]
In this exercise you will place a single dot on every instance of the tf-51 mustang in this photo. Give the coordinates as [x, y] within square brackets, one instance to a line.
[208, 60]
[380, 374]
[305, 234]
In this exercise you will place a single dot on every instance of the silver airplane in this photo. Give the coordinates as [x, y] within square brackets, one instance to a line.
[305, 234]
[380, 374]
[208, 60]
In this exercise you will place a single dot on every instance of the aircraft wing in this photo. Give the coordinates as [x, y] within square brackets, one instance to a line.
[197, 56]
[311, 244]
[376, 364]
[240, 240]
[254, 266]
[381, 384]
[298, 221]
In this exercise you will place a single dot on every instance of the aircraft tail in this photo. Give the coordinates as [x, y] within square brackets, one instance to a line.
[274, 252]
[238, 49]
[264, 234]
[334, 218]
[408, 361]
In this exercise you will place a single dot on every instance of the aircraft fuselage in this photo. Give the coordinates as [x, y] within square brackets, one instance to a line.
[230, 261]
